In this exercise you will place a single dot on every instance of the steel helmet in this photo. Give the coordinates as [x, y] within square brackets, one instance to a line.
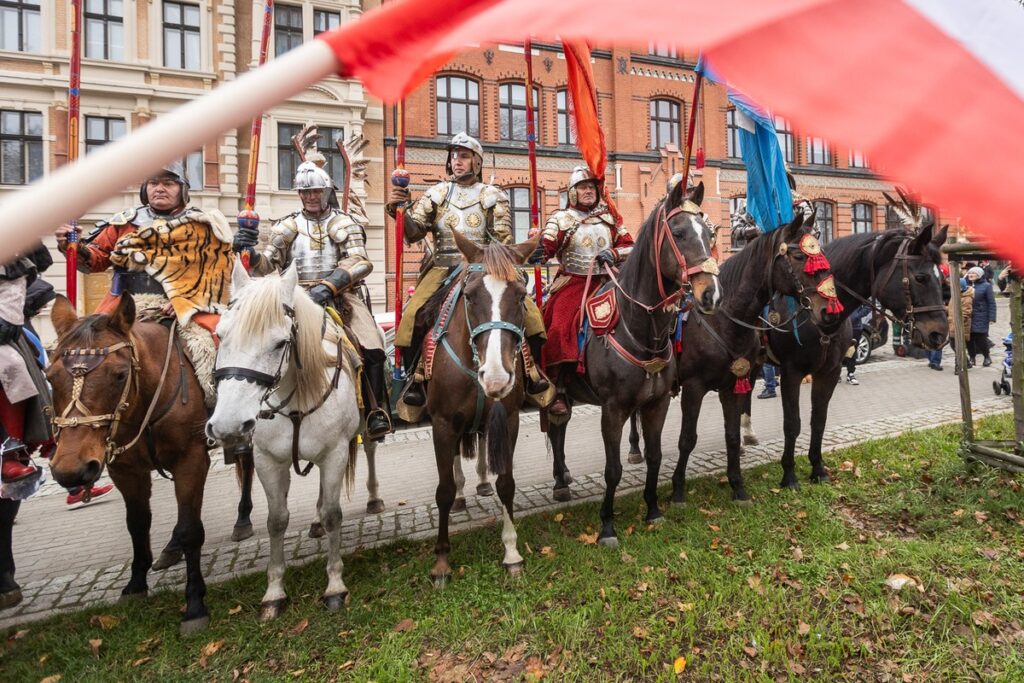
[174, 169]
[464, 141]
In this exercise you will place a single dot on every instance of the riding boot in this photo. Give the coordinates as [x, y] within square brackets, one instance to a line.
[15, 464]
[10, 591]
[536, 382]
[560, 406]
[415, 395]
[234, 452]
[378, 420]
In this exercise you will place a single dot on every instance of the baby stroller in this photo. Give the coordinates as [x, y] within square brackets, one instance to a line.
[1003, 385]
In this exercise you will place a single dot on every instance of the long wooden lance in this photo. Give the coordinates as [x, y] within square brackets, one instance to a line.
[689, 131]
[74, 119]
[531, 147]
[399, 178]
[247, 217]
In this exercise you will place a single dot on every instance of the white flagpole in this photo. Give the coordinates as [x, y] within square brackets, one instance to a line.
[31, 213]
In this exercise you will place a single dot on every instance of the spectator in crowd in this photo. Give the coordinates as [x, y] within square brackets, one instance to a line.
[982, 315]
[768, 373]
[850, 359]
[966, 309]
[935, 355]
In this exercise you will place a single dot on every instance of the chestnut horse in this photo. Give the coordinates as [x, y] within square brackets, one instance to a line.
[125, 398]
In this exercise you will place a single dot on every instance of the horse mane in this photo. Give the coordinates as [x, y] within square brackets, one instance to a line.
[634, 271]
[501, 262]
[259, 309]
[848, 249]
[731, 274]
[83, 333]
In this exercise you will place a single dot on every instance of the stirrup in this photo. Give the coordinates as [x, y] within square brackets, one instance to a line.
[383, 420]
[415, 395]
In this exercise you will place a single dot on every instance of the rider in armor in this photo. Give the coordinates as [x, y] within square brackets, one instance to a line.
[328, 248]
[585, 238]
[478, 211]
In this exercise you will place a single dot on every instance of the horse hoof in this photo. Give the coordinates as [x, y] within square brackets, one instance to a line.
[10, 598]
[750, 440]
[241, 532]
[484, 489]
[440, 580]
[635, 458]
[271, 609]
[609, 542]
[791, 485]
[822, 478]
[562, 495]
[333, 603]
[656, 521]
[459, 505]
[316, 530]
[374, 506]
[167, 559]
[194, 625]
[132, 597]
[515, 569]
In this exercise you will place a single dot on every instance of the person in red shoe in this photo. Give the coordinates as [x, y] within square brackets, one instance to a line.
[77, 497]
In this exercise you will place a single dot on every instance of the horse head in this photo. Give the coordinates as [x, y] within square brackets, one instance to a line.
[269, 336]
[494, 296]
[94, 373]
[685, 258]
[910, 285]
[800, 270]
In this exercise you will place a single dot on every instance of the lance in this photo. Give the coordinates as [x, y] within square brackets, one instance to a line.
[399, 178]
[691, 128]
[531, 146]
[247, 217]
[74, 118]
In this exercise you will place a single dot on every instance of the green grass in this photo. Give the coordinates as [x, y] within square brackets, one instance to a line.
[789, 588]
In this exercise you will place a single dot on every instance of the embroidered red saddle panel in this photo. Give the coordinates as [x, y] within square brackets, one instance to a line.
[603, 312]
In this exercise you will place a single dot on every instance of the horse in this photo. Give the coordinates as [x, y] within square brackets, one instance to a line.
[897, 268]
[477, 383]
[636, 374]
[719, 352]
[118, 404]
[283, 384]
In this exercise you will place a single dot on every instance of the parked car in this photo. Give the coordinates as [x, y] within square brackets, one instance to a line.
[870, 338]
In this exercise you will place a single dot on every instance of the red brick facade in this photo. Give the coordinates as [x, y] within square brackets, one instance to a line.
[627, 82]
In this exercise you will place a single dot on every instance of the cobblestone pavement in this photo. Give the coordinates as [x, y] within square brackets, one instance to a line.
[70, 559]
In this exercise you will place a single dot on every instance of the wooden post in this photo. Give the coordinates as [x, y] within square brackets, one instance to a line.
[961, 353]
[1017, 369]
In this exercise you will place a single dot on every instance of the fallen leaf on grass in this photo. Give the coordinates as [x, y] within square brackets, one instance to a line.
[212, 647]
[298, 672]
[897, 582]
[639, 632]
[980, 517]
[94, 645]
[405, 625]
[235, 610]
[754, 581]
[679, 666]
[347, 665]
[589, 539]
[105, 621]
[51, 679]
[299, 628]
[140, 662]
[559, 517]
[751, 651]
[846, 466]
[801, 514]
[803, 629]
[20, 634]
[984, 619]
[714, 527]
[988, 553]
[958, 513]
[683, 556]
[842, 546]
[798, 553]
[685, 606]
[546, 551]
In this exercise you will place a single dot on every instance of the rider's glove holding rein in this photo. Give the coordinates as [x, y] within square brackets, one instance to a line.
[605, 258]
[245, 239]
[321, 294]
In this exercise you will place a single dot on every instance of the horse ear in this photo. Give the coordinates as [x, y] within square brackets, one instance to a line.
[921, 241]
[63, 315]
[696, 195]
[939, 238]
[290, 280]
[793, 229]
[469, 249]
[810, 220]
[123, 317]
[526, 249]
[239, 277]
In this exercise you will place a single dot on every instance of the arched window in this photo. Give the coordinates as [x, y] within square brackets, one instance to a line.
[732, 131]
[519, 203]
[665, 127]
[824, 220]
[458, 106]
[512, 103]
[863, 217]
[566, 135]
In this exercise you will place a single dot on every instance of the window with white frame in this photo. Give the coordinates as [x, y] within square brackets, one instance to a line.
[664, 119]
[863, 217]
[287, 28]
[21, 147]
[566, 133]
[818, 152]
[104, 29]
[787, 142]
[824, 220]
[519, 204]
[193, 163]
[20, 29]
[858, 159]
[182, 45]
[662, 50]
[512, 104]
[458, 106]
[327, 144]
[99, 130]
[324, 21]
[732, 135]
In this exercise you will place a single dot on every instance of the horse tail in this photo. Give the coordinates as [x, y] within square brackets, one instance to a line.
[468, 446]
[350, 466]
[499, 448]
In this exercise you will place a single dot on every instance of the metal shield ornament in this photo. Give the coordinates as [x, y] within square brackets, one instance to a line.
[827, 288]
[740, 367]
[774, 318]
[810, 245]
[710, 267]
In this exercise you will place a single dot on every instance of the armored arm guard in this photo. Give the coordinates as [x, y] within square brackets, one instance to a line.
[623, 244]
[419, 219]
[495, 202]
[277, 253]
[551, 236]
[354, 264]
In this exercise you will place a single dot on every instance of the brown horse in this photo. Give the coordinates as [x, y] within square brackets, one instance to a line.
[126, 398]
[477, 381]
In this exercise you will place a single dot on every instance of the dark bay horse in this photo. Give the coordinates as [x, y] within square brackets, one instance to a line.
[899, 269]
[631, 368]
[719, 352]
[477, 382]
[126, 398]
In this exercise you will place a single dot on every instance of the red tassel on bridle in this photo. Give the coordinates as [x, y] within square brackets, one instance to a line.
[834, 306]
[742, 386]
[816, 263]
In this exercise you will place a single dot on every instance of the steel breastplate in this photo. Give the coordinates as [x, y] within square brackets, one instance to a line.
[313, 251]
[590, 237]
[463, 212]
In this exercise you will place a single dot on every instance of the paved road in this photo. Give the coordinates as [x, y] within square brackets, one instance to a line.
[68, 559]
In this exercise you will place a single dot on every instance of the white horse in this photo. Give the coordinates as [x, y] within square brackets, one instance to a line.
[280, 381]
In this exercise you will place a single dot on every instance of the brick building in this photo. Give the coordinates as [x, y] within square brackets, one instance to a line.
[644, 101]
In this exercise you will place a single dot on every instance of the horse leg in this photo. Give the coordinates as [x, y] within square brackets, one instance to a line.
[276, 479]
[790, 386]
[821, 395]
[332, 474]
[316, 527]
[446, 449]
[483, 487]
[690, 402]
[243, 471]
[374, 505]
[612, 421]
[460, 482]
[653, 418]
[556, 435]
[635, 457]
[731, 405]
[749, 437]
[189, 484]
[136, 486]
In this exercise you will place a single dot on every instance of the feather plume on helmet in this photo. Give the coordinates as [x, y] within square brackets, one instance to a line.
[907, 206]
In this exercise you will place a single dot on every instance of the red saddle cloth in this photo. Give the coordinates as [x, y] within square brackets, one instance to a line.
[603, 312]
